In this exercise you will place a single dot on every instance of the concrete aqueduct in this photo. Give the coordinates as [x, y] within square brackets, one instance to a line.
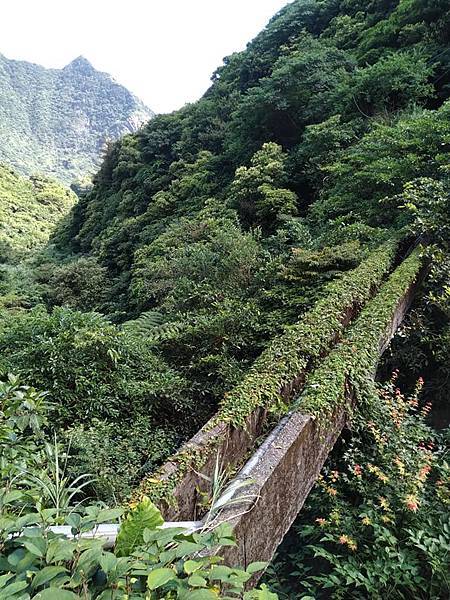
[324, 358]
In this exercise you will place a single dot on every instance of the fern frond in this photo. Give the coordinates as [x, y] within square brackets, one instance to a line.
[151, 326]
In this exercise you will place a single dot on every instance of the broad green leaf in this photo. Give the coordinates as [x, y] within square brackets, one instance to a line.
[46, 575]
[15, 557]
[159, 577]
[197, 581]
[89, 559]
[55, 594]
[168, 556]
[186, 548]
[24, 521]
[60, 549]
[201, 595]
[10, 590]
[12, 496]
[144, 516]
[108, 562]
[107, 515]
[26, 562]
[5, 579]
[74, 521]
[256, 567]
[192, 565]
[37, 546]
[220, 573]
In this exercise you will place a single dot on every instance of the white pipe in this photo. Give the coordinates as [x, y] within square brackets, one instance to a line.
[108, 531]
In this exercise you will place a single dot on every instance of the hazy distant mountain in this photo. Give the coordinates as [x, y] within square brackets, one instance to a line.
[57, 121]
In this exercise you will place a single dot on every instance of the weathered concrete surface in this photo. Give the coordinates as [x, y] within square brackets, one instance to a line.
[284, 473]
[231, 444]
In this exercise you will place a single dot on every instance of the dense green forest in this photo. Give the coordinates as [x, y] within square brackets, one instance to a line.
[210, 232]
[29, 210]
[57, 121]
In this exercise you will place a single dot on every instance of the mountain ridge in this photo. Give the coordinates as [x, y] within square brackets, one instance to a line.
[58, 121]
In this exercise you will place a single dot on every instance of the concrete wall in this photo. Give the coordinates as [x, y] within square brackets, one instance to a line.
[231, 444]
[284, 469]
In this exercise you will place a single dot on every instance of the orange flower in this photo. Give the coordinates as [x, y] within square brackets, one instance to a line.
[357, 469]
[334, 475]
[347, 541]
[411, 503]
[322, 522]
[331, 491]
[426, 409]
[424, 471]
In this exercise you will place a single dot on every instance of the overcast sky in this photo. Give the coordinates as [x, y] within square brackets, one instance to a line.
[163, 50]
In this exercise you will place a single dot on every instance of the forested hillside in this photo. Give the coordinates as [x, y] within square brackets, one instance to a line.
[212, 230]
[327, 135]
[29, 210]
[57, 121]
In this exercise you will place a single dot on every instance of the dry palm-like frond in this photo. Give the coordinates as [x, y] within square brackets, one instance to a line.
[223, 496]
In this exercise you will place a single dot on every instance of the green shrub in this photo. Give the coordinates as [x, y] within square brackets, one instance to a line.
[119, 454]
[37, 561]
[377, 522]
[82, 285]
[147, 562]
[90, 367]
[29, 211]
[23, 413]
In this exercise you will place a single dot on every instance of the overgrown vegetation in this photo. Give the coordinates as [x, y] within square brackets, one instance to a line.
[224, 249]
[377, 522]
[29, 211]
[39, 560]
[271, 384]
